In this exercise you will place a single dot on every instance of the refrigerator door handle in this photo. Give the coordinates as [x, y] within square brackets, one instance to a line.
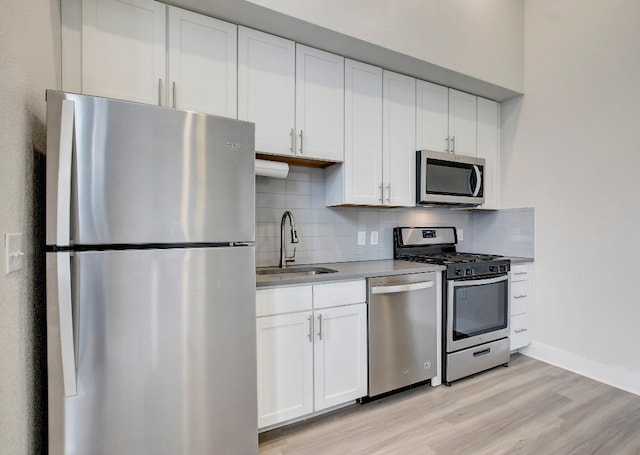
[66, 324]
[63, 220]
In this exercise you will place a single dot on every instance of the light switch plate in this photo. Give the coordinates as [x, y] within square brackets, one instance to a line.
[374, 238]
[13, 251]
[362, 238]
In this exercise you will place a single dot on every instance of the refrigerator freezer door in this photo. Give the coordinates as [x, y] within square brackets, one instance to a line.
[166, 353]
[145, 174]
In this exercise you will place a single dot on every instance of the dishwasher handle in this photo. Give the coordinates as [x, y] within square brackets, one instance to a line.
[380, 289]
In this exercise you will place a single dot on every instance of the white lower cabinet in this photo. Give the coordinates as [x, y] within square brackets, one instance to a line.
[520, 301]
[312, 349]
[285, 363]
[340, 355]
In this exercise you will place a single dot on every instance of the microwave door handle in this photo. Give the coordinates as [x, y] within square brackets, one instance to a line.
[476, 172]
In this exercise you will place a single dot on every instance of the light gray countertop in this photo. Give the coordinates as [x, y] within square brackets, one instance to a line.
[518, 260]
[348, 271]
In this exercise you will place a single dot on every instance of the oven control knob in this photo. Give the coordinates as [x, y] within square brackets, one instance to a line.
[503, 268]
[459, 272]
[492, 268]
[469, 272]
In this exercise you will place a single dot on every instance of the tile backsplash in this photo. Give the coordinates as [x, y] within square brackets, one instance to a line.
[330, 234]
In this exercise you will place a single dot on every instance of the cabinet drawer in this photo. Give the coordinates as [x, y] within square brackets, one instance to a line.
[519, 331]
[283, 300]
[338, 294]
[519, 272]
[519, 297]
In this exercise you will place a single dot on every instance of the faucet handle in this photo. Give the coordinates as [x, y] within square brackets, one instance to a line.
[291, 258]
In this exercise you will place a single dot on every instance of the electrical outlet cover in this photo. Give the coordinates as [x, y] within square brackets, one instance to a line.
[374, 237]
[362, 238]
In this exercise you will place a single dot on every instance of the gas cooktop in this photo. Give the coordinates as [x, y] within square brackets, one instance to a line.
[437, 245]
[449, 258]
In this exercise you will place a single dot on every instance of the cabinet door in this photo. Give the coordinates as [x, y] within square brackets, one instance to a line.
[462, 123]
[202, 63]
[319, 104]
[123, 49]
[489, 149]
[363, 134]
[266, 89]
[340, 355]
[399, 144]
[432, 116]
[285, 365]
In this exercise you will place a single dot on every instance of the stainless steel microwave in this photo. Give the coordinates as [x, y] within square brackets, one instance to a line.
[449, 180]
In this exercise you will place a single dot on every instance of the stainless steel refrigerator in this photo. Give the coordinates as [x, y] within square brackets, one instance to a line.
[150, 280]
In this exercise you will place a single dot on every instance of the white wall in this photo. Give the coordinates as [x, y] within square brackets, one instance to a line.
[29, 40]
[482, 39]
[571, 150]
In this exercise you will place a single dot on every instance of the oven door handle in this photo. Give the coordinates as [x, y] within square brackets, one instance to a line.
[379, 289]
[472, 282]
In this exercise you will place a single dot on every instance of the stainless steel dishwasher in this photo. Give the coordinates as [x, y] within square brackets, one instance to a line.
[402, 331]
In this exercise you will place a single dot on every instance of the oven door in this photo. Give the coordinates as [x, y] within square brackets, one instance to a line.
[477, 311]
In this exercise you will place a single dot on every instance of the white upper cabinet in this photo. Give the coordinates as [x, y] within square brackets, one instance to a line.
[123, 49]
[398, 135]
[446, 119]
[266, 89]
[202, 63]
[489, 149]
[380, 128]
[319, 104]
[362, 165]
[462, 123]
[432, 117]
[126, 55]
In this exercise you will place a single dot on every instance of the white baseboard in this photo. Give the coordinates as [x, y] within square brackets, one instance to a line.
[626, 380]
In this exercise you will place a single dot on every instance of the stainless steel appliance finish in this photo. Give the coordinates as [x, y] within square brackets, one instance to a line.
[150, 293]
[478, 311]
[402, 331]
[476, 299]
[448, 179]
[145, 174]
[470, 361]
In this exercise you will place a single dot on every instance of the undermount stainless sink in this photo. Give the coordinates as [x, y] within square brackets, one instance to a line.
[298, 270]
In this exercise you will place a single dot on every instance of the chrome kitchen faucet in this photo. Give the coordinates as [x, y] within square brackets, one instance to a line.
[294, 239]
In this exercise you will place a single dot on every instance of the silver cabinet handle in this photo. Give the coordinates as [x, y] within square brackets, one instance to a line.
[160, 92]
[301, 151]
[320, 326]
[65, 157]
[389, 193]
[173, 88]
[520, 330]
[381, 198]
[520, 296]
[453, 144]
[65, 314]
[447, 148]
[310, 334]
[519, 273]
[379, 289]
[292, 133]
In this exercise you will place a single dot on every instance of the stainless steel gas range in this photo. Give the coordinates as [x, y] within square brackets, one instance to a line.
[475, 299]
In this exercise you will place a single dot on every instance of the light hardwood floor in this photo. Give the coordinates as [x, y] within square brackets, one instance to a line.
[528, 408]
